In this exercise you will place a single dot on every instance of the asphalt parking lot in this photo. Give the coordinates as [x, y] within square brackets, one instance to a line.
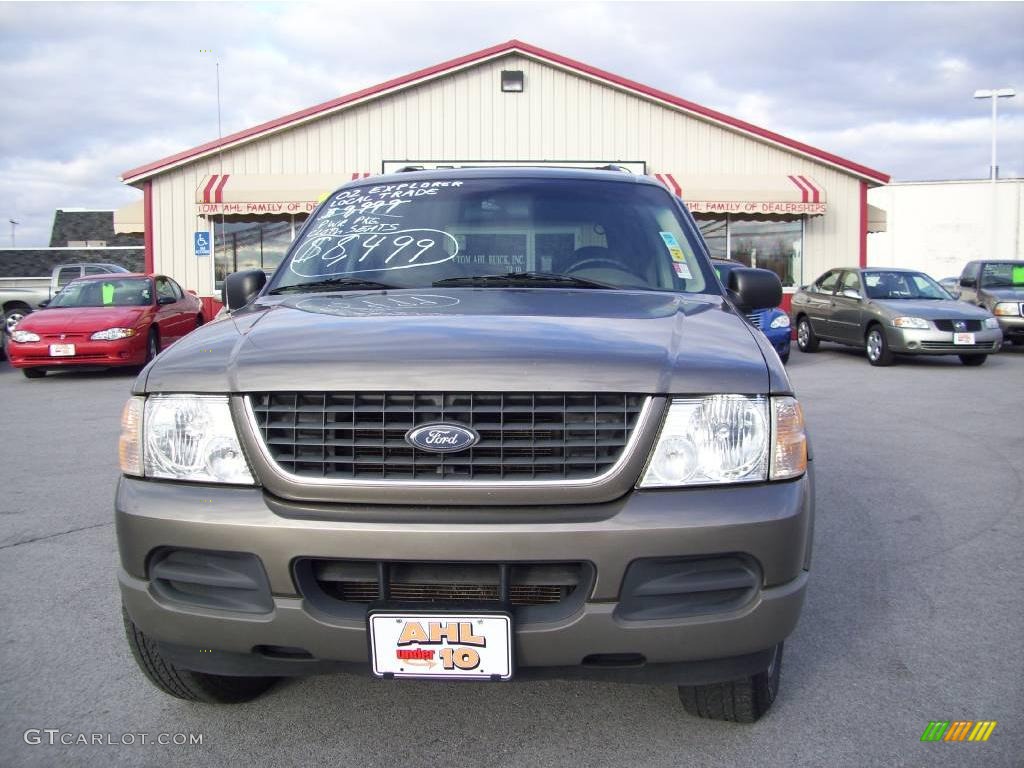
[915, 611]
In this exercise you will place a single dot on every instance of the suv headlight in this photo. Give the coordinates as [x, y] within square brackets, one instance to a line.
[991, 322]
[782, 321]
[112, 334]
[182, 437]
[728, 439]
[1006, 309]
[917, 323]
[24, 336]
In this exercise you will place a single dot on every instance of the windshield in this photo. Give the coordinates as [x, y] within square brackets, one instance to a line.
[1006, 274]
[115, 292]
[496, 232]
[902, 285]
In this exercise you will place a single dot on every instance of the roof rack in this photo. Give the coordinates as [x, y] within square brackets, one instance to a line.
[613, 167]
[410, 168]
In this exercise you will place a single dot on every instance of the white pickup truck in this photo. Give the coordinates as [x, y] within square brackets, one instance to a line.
[21, 295]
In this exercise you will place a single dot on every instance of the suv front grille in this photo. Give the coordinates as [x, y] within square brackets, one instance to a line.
[523, 435]
[755, 319]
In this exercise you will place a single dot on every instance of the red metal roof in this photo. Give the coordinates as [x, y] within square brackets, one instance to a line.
[512, 46]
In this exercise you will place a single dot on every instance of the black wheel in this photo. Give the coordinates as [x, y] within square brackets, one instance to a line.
[14, 315]
[738, 701]
[877, 347]
[784, 358]
[34, 373]
[806, 339]
[973, 360]
[185, 684]
[11, 318]
[152, 345]
[199, 321]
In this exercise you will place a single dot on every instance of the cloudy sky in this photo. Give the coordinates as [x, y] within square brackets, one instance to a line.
[92, 89]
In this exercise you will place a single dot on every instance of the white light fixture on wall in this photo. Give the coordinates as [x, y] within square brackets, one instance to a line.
[512, 81]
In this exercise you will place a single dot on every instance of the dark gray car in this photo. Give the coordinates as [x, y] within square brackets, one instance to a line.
[480, 424]
[889, 312]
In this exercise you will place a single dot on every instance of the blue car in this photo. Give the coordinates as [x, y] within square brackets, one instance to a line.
[773, 323]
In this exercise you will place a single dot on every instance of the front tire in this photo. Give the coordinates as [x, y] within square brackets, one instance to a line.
[186, 684]
[152, 345]
[806, 339]
[973, 360]
[738, 701]
[876, 347]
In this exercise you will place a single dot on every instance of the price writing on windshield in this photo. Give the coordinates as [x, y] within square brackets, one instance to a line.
[354, 253]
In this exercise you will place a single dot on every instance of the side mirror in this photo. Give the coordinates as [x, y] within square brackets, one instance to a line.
[44, 303]
[968, 282]
[161, 300]
[241, 287]
[851, 294]
[755, 288]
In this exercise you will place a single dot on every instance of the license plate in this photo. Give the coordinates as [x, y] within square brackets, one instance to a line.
[62, 350]
[963, 338]
[441, 645]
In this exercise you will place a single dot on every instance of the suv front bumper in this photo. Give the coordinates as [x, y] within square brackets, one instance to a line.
[769, 525]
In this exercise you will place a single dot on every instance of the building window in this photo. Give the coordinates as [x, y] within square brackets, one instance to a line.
[715, 235]
[241, 244]
[768, 243]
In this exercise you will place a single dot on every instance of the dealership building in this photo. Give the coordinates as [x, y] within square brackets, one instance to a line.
[759, 197]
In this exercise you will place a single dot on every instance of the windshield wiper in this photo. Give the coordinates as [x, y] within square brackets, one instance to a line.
[331, 284]
[534, 279]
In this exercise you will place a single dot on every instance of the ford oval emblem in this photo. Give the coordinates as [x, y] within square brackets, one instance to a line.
[442, 438]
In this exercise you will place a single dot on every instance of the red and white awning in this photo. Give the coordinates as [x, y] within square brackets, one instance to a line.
[748, 195]
[255, 194]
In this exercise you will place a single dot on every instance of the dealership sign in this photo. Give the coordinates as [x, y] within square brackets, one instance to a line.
[755, 208]
[292, 206]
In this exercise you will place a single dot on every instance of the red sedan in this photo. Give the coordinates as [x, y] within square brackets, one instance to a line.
[102, 321]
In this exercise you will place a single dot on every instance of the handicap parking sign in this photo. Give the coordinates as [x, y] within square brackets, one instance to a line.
[202, 240]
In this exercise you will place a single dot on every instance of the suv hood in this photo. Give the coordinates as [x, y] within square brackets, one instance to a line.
[464, 339]
[1004, 294]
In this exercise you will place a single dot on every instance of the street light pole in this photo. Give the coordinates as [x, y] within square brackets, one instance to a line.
[13, 225]
[995, 94]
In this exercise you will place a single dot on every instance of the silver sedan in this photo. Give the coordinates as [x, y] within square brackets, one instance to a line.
[891, 312]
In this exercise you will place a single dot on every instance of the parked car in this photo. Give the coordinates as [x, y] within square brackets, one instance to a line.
[951, 285]
[773, 322]
[19, 296]
[104, 321]
[998, 286]
[480, 424]
[891, 312]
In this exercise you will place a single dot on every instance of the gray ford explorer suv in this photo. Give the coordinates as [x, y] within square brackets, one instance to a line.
[484, 424]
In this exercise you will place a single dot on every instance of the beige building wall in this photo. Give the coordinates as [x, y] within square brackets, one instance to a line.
[939, 226]
[463, 115]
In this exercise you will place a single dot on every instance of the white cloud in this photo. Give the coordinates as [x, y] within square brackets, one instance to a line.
[98, 88]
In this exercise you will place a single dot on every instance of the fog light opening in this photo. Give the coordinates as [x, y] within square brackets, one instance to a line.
[282, 652]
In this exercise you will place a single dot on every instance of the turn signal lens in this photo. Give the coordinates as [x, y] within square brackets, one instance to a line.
[789, 448]
[129, 447]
